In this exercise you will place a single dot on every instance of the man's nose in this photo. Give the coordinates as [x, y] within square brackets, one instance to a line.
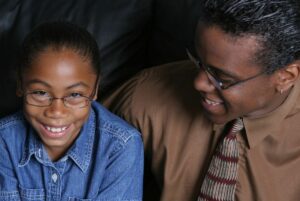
[203, 83]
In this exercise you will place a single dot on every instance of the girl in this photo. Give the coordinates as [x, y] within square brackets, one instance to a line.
[64, 145]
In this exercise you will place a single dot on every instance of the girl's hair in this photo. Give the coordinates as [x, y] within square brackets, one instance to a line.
[59, 35]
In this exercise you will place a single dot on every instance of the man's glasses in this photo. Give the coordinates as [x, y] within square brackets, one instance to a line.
[217, 82]
[43, 99]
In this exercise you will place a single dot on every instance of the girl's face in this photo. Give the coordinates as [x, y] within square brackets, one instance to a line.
[58, 73]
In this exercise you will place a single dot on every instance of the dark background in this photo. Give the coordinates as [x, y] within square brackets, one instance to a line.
[131, 34]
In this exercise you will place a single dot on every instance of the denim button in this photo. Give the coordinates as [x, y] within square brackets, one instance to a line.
[39, 153]
[54, 177]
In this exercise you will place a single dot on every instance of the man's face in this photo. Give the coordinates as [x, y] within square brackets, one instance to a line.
[232, 59]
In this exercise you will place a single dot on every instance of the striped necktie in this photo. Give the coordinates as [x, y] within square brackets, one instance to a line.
[220, 180]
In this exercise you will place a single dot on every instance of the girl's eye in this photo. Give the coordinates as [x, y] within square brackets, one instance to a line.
[40, 93]
[75, 95]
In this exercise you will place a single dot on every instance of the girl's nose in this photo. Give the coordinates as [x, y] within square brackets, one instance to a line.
[57, 109]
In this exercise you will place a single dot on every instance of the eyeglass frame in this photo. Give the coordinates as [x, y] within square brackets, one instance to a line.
[89, 98]
[64, 99]
[218, 84]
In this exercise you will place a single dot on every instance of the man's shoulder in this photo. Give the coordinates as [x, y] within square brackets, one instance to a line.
[158, 96]
[158, 85]
[165, 72]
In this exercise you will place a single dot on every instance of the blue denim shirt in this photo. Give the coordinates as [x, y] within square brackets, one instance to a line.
[105, 163]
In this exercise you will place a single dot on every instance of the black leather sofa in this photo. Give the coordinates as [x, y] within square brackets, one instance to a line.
[132, 35]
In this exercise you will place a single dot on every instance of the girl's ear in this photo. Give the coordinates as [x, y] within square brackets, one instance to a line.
[19, 91]
[96, 90]
[288, 76]
[96, 94]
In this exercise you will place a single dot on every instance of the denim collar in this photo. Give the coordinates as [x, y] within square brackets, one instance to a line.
[80, 152]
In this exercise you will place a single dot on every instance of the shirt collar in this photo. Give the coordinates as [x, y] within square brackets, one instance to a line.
[32, 147]
[80, 152]
[259, 128]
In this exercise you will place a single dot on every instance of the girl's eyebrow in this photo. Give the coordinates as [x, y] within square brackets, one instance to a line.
[78, 84]
[38, 81]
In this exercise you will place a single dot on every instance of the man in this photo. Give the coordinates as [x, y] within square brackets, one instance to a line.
[247, 56]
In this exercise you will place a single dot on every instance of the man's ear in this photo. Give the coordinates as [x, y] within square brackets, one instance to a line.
[287, 76]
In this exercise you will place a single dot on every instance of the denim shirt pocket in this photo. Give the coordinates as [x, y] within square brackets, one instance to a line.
[27, 194]
[78, 199]
[9, 196]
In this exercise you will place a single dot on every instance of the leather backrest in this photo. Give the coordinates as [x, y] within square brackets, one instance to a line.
[119, 26]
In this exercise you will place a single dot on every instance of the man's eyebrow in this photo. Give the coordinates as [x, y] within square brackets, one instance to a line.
[225, 72]
[217, 69]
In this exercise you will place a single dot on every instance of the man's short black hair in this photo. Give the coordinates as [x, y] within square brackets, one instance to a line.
[276, 23]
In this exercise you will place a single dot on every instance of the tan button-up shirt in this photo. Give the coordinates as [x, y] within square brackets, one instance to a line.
[179, 141]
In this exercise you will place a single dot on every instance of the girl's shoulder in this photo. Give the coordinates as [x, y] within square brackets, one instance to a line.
[13, 129]
[111, 124]
[12, 121]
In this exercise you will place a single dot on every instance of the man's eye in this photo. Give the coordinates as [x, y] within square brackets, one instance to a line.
[220, 77]
[226, 82]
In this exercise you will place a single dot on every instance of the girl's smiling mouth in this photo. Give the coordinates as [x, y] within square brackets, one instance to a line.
[55, 131]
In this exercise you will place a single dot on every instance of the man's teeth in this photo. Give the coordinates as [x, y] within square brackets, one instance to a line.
[55, 130]
[212, 102]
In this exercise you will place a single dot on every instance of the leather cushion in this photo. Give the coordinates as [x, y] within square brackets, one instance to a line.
[119, 26]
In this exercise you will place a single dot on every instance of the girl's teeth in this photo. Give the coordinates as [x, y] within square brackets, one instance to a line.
[55, 130]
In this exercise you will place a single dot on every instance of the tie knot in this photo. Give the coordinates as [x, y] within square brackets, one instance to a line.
[237, 125]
